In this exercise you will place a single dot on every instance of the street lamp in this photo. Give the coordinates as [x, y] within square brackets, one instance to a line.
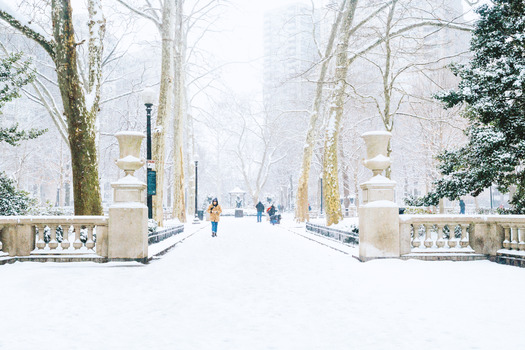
[148, 97]
[196, 218]
[321, 185]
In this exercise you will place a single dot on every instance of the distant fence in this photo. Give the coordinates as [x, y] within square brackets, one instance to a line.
[158, 236]
[340, 235]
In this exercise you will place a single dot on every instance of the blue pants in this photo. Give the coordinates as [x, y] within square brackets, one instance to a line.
[259, 216]
[214, 226]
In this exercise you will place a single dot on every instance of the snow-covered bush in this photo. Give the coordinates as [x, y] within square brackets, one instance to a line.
[13, 201]
[152, 225]
[50, 210]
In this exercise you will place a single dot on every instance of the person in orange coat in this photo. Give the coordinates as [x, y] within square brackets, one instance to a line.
[215, 211]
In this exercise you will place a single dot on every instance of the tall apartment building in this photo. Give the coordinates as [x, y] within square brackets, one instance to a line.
[290, 52]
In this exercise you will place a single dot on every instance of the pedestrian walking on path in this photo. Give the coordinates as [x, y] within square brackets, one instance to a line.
[260, 210]
[215, 211]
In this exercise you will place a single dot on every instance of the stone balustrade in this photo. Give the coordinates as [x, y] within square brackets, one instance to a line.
[122, 236]
[30, 235]
[489, 235]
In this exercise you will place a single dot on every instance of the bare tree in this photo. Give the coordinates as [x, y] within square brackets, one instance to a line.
[80, 101]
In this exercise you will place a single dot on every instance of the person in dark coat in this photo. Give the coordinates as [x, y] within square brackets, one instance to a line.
[260, 210]
[271, 210]
[274, 218]
[461, 206]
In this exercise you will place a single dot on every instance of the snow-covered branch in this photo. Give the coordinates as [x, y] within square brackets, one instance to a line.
[47, 44]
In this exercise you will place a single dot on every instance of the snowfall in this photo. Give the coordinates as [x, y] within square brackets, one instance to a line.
[258, 286]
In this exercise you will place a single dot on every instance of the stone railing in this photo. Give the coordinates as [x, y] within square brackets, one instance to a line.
[483, 234]
[160, 235]
[2, 253]
[30, 235]
[122, 236]
[340, 235]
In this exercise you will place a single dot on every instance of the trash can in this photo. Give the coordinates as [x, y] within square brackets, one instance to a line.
[200, 214]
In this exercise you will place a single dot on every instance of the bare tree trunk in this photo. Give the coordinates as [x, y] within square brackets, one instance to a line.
[179, 206]
[388, 83]
[344, 173]
[81, 120]
[335, 114]
[301, 210]
[165, 106]
[191, 167]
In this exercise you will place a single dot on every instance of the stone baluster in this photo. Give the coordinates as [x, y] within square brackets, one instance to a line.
[521, 244]
[415, 241]
[452, 243]
[514, 235]
[53, 244]
[77, 244]
[90, 244]
[428, 235]
[440, 241]
[40, 244]
[506, 241]
[464, 237]
[65, 237]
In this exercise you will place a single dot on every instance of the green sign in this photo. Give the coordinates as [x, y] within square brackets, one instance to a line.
[152, 182]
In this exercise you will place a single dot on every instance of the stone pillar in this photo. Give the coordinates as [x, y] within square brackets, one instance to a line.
[127, 236]
[19, 239]
[379, 235]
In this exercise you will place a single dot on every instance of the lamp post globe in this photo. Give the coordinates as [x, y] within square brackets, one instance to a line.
[148, 97]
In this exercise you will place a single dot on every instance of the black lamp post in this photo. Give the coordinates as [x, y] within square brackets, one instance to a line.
[196, 218]
[321, 180]
[148, 96]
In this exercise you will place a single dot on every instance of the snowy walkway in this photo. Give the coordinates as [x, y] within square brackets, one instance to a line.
[261, 287]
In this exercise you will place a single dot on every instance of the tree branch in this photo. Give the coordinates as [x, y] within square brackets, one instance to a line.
[47, 45]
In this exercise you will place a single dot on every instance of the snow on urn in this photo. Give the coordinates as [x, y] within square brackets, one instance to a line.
[376, 151]
[129, 146]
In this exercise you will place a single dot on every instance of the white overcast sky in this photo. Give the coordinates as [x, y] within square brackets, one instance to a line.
[241, 40]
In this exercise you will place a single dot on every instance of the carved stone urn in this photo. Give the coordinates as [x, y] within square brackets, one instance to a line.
[376, 151]
[129, 147]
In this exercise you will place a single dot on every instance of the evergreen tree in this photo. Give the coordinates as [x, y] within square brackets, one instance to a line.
[12, 201]
[14, 74]
[492, 90]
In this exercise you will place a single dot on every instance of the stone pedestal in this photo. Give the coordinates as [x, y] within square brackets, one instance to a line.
[19, 240]
[239, 213]
[128, 216]
[378, 214]
[379, 230]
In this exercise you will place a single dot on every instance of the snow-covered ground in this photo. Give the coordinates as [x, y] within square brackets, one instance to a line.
[258, 286]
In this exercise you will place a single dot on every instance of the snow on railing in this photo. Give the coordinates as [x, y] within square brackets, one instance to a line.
[160, 235]
[53, 234]
[340, 235]
[486, 234]
[74, 234]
